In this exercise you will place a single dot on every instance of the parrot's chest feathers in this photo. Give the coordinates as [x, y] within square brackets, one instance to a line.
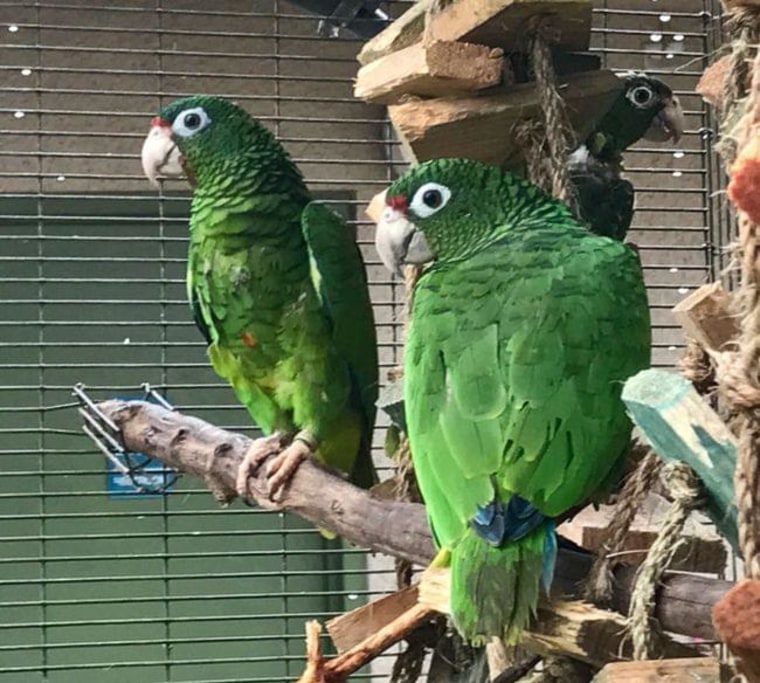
[256, 298]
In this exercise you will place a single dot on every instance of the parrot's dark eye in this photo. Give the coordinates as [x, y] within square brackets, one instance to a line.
[641, 96]
[190, 121]
[431, 197]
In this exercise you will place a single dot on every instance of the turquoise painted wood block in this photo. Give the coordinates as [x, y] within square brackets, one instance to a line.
[679, 425]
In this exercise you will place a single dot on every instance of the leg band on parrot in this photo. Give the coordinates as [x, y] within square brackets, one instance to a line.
[308, 438]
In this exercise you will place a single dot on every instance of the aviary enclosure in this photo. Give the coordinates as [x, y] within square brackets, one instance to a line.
[115, 566]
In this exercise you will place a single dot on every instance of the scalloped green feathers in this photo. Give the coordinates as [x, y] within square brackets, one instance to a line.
[522, 334]
[278, 288]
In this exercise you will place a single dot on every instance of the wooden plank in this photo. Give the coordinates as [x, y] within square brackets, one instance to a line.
[705, 315]
[482, 128]
[737, 619]
[570, 628]
[496, 23]
[351, 628]
[681, 426]
[694, 554]
[702, 550]
[505, 23]
[692, 670]
[437, 69]
[403, 32]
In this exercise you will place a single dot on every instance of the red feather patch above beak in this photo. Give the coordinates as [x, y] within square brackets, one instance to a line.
[398, 202]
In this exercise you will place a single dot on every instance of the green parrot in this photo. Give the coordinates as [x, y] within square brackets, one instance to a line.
[646, 108]
[524, 328]
[278, 288]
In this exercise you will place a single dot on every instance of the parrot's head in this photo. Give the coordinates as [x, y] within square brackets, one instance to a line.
[445, 209]
[647, 108]
[200, 136]
[652, 101]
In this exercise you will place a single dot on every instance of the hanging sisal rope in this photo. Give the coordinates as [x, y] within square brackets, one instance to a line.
[686, 490]
[739, 373]
[598, 587]
[546, 144]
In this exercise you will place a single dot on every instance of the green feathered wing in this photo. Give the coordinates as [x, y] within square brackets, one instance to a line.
[515, 361]
[340, 281]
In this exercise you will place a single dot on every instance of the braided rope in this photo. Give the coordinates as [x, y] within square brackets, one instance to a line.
[738, 373]
[598, 588]
[686, 490]
[747, 485]
[557, 123]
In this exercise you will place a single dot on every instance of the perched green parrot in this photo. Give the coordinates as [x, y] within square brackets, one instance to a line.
[523, 329]
[646, 108]
[277, 287]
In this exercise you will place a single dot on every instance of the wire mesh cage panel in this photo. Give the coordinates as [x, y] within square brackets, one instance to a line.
[100, 582]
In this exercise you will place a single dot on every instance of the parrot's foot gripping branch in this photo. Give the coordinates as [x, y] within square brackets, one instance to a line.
[282, 467]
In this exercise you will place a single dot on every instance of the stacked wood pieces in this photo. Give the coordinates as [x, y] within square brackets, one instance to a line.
[453, 73]
[499, 23]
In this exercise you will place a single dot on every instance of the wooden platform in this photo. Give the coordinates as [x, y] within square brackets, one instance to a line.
[482, 128]
[496, 23]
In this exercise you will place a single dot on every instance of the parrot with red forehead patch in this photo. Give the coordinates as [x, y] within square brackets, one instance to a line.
[524, 327]
[277, 287]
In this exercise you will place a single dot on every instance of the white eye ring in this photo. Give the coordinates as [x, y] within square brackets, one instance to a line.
[429, 199]
[641, 103]
[190, 121]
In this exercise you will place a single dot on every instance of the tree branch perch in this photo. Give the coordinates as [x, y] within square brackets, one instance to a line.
[395, 528]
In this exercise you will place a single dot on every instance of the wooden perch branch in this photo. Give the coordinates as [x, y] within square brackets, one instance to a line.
[396, 528]
[196, 447]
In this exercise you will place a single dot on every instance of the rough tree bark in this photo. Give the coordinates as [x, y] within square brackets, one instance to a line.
[395, 528]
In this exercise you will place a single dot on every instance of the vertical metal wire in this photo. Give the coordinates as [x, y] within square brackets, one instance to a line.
[41, 379]
[283, 521]
[163, 359]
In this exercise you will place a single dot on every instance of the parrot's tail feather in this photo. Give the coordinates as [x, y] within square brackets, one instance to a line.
[495, 589]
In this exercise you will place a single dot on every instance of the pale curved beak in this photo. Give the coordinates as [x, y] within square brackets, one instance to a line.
[669, 124]
[398, 242]
[161, 157]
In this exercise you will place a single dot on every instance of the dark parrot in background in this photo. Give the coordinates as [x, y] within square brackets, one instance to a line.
[646, 108]
[523, 329]
[277, 287]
